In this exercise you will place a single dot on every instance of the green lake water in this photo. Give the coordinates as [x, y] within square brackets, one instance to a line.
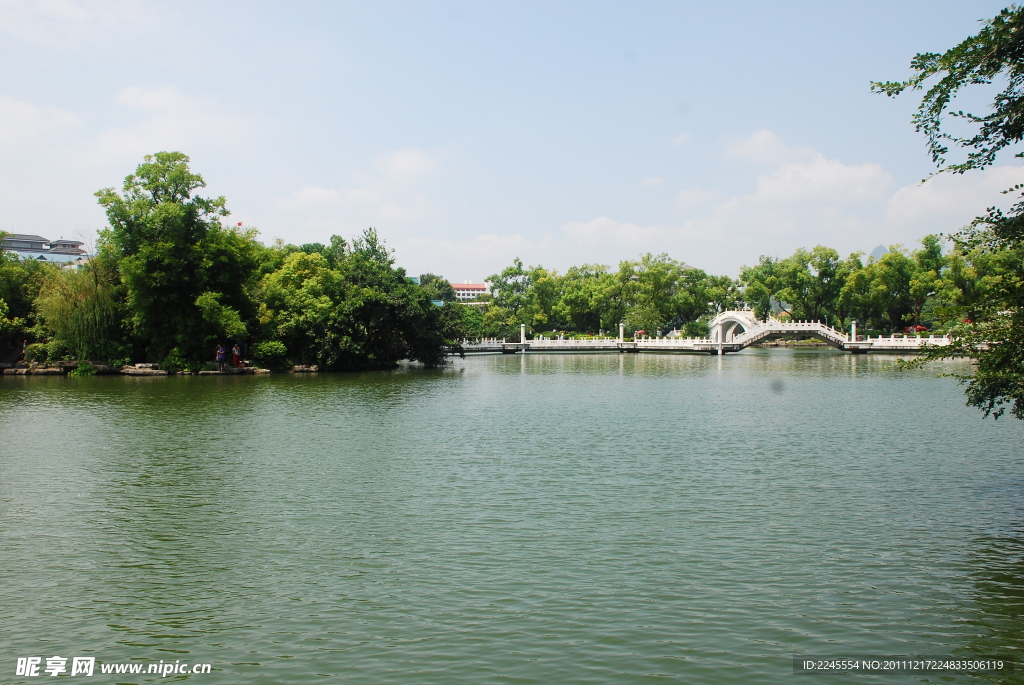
[540, 519]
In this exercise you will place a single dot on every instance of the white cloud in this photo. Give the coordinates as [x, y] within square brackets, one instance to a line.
[157, 99]
[409, 164]
[417, 208]
[171, 120]
[68, 24]
[823, 180]
[388, 192]
[799, 198]
[22, 122]
[474, 258]
[947, 201]
[765, 147]
[603, 230]
[689, 198]
[681, 139]
[652, 181]
[313, 196]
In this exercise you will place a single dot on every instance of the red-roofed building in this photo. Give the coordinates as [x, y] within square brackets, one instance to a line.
[465, 292]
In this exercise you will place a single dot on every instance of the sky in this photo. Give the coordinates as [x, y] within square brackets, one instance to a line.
[472, 133]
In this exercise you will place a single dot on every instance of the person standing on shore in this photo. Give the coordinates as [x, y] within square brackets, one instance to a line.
[220, 357]
[236, 356]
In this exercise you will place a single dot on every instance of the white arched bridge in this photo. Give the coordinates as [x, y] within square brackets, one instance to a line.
[730, 332]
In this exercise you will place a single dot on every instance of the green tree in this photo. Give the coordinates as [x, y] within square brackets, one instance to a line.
[361, 313]
[586, 294]
[541, 308]
[310, 248]
[437, 288]
[510, 288]
[967, 283]
[80, 310]
[854, 302]
[761, 285]
[891, 278]
[8, 325]
[811, 282]
[644, 316]
[175, 259]
[20, 282]
[926, 277]
[995, 55]
[499, 322]
[453, 326]
[722, 292]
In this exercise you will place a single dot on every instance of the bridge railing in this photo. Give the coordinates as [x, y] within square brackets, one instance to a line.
[672, 342]
[537, 343]
[907, 340]
[776, 327]
[555, 342]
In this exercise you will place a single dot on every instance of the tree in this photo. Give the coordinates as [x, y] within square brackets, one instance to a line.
[360, 313]
[761, 285]
[586, 292]
[925, 279]
[458, 323]
[811, 282]
[966, 283]
[995, 338]
[643, 316]
[509, 288]
[437, 288]
[891, 277]
[187, 279]
[20, 281]
[79, 308]
[499, 322]
[8, 326]
[854, 302]
[541, 308]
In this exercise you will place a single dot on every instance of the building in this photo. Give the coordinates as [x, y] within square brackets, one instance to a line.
[464, 292]
[39, 248]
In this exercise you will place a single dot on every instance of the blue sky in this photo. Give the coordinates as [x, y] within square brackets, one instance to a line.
[472, 133]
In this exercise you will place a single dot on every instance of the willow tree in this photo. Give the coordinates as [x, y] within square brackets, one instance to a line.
[78, 307]
[994, 58]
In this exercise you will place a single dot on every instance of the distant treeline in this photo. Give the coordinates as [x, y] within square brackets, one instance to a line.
[169, 283]
[922, 287]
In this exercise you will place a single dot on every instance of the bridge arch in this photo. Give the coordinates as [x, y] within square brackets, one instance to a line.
[728, 325]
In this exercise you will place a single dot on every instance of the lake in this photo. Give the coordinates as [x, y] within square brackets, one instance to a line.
[512, 519]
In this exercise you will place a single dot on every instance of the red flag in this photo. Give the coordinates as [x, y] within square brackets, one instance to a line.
[239, 223]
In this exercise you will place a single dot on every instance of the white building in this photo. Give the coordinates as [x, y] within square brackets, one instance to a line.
[465, 292]
[39, 248]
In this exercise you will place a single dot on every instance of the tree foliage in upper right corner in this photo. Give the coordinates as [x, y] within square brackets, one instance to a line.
[995, 53]
[994, 334]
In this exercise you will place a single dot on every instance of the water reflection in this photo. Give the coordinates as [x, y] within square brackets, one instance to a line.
[587, 518]
[997, 603]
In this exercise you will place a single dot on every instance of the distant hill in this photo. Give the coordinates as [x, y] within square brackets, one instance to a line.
[877, 253]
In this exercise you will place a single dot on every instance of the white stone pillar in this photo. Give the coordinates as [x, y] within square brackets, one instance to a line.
[853, 331]
[622, 331]
[522, 334]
